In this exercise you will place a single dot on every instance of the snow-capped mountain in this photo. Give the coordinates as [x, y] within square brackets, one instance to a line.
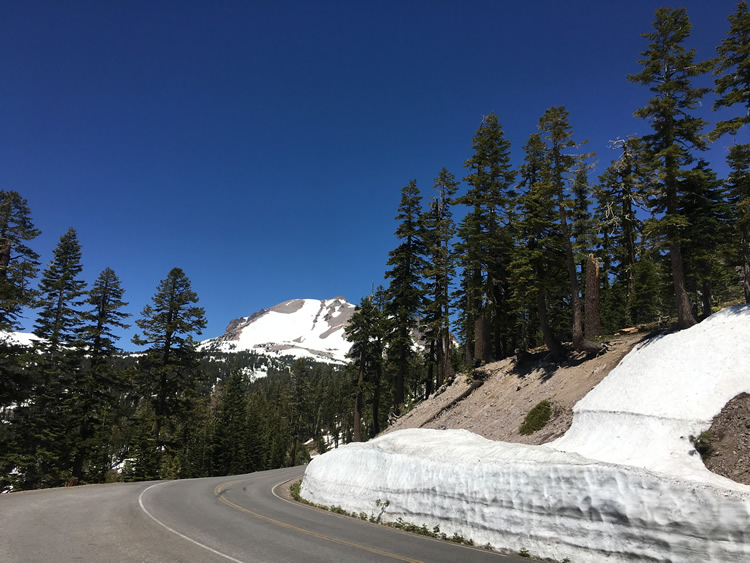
[306, 328]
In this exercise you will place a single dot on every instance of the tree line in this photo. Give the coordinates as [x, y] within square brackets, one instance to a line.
[75, 409]
[546, 253]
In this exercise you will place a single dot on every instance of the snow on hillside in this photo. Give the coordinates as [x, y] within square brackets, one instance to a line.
[18, 338]
[307, 328]
[623, 483]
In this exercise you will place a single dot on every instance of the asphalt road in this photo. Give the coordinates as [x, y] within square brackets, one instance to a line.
[219, 519]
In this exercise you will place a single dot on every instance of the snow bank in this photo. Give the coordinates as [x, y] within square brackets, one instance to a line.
[644, 412]
[624, 482]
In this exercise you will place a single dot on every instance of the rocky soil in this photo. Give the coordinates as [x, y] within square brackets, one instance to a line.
[729, 441]
[494, 400]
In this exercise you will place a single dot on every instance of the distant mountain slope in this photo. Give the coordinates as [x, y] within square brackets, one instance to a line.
[307, 328]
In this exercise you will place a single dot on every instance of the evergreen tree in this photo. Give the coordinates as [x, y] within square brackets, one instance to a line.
[733, 72]
[733, 89]
[405, 294]
[486, 241]
[43, 426]
[19, 264]
[704, 206]
[622, 191]
[439, 271]
[668, 68]
[538, 266]
[365, 331]
[559, 137]
[738, 195]
[232, 432]
[170, 369]
[97, 386]
[61, 291]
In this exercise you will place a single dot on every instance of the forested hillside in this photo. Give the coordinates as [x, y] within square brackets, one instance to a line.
[498, 260]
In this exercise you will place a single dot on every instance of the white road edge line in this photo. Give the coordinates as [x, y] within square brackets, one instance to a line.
[183, 536]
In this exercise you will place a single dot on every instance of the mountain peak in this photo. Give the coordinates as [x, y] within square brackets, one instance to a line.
[299, 327]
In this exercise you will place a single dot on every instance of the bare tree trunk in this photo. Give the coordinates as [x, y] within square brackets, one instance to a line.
[428, 388]
[553, 344]
[579, 342]
[707, 305]
[685, 318]
[447, 369]
[357, 437]
[593, 323]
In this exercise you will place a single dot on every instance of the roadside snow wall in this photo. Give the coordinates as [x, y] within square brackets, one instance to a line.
[624, 483]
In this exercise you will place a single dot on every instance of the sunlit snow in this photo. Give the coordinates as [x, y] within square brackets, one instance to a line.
[624, 481]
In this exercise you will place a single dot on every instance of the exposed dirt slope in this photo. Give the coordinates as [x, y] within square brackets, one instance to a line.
[729, 440]
[495, 401]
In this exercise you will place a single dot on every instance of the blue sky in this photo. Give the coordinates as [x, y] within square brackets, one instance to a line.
[261, 146]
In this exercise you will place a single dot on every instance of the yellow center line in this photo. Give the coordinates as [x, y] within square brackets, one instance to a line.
[218, 492]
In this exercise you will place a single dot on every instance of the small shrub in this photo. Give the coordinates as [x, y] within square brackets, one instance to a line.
[294, 491]
[537, 418]
[524, 553]
[703, 444]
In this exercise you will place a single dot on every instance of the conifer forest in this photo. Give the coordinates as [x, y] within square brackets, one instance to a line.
[492, 261]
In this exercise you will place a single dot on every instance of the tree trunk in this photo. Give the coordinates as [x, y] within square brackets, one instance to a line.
[375, 430]
[579, 342]
[358, 407]
[552, 343]
[593, 323]
[685, 318]
[707, 305]
[428, 388]
[480, 339]
[447, 367]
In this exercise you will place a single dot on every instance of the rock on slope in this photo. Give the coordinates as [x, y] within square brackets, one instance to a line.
[624, 483]
[300, 327]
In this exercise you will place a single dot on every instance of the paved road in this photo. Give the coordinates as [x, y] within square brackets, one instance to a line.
[214, 519]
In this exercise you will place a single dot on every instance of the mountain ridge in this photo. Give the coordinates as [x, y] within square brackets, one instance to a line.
[309, 328]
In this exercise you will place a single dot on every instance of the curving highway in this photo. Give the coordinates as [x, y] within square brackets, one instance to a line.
[220, 519]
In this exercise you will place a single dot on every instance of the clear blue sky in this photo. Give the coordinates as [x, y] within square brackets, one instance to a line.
[261, 146]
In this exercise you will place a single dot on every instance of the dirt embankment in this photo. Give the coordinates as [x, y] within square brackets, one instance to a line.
[504, 393]
[494, 401]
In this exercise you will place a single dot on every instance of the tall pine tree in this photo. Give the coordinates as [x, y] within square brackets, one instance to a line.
[19, 264]
[668, 70]
[405, 293]
[170, 369]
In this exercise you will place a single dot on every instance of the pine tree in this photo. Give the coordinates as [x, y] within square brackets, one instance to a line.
[538, 266]
[97, 386]
[668, 69]
[405, 294]
[232, 432]
[365, 331]
[738, 195]
[622, 190]
[733, 89]
[559, 137]
[170, 368]
[440, 270]
[61, 293]
[733, 72]
[19, 264]
[486, 242]
[44, 426]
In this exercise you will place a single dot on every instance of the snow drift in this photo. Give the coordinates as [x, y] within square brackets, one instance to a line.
[623, 483]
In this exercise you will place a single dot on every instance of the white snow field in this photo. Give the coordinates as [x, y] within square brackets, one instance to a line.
[302, 328]
[623, 484]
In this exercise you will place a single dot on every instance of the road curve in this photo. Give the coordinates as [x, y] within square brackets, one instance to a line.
[220, 519]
